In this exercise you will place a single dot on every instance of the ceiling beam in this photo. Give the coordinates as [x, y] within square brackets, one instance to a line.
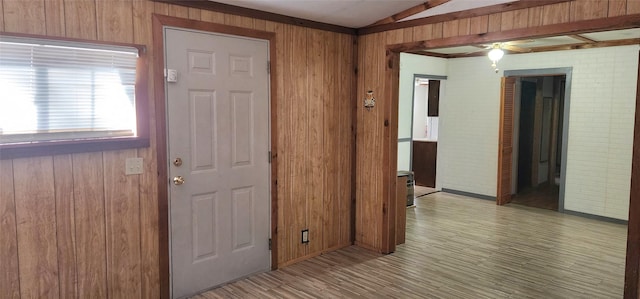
[578, 27]
[582, 38]
[410, 12]
[259, 14]
[459, 15]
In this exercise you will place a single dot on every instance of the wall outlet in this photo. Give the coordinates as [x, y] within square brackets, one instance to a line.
[133, 166]
[305, 236]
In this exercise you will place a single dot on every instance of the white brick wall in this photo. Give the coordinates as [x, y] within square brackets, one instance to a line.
[601, 123]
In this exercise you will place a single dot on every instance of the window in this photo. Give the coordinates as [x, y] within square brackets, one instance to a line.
[61, 96]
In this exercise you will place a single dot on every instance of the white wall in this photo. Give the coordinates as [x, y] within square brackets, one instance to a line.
[411, 64]
[601, 121]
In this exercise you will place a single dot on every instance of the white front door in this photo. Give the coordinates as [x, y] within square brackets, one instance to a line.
[218, 144]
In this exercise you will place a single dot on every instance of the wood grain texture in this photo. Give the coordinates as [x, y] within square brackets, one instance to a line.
[10, 274]
[424, 32]
[495, 21]
[149, 234]
[115, 21]
[238, 21]
[36, 227]
[122, 219]
[556, 13]
[90, 225]
[54, 16]
[65, 226]
[458, 247]
[587, 10]
[505, 141]
[1, 16]
[450, 28]
[479, 25]
[535, 16]
[633, 7]
[80, 20]
[401, 210]
[318, 98]
[617, 8]
[26, 16]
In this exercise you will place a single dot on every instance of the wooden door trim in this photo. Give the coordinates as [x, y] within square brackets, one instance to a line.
[631, 277]
[159, 22]
[500, 198]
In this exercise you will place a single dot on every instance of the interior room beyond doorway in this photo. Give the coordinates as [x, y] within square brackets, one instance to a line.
[537, 141]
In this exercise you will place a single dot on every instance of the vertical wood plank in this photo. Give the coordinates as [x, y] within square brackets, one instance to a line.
[239, 21]
[122, 214]
[318, 94]
[36, 218]
[437, 30]
[178, 11]
[90, 225]
[80, 21]
[212, 16]
[25, 16]
[464, 27]
[298, 95]
[115, 20]
[633, 7]
[331, 146]
[587, 10]
[520, 18]
[1, 16]
[54, 15]
[617, 8]
[9, 276]
[450, 28]
[424, 32]
[283, 148]
[149, 230]
[260, 25]
[348, 108]
[65, 225]
[495, 21]
[507, 20]
[556, 13]
[161, 8]
[479, 25]
[394, 37]
[535, 16]
[194, 14]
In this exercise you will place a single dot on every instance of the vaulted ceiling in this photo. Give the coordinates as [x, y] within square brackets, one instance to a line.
[359, 13]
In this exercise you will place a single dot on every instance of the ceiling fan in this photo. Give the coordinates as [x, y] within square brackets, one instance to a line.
[496, 50]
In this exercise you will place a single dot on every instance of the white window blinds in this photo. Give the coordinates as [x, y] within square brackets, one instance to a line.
[53, 90]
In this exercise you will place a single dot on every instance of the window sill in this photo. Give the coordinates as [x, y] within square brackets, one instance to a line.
[50, 148]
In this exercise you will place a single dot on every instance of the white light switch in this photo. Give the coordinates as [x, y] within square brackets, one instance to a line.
[133, 166]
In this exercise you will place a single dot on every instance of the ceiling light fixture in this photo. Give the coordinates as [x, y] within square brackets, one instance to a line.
[495, 55]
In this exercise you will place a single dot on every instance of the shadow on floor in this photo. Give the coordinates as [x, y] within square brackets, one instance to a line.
[544, 197]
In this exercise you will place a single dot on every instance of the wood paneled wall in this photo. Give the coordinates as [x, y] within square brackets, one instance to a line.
[372, 64]
[77, 226]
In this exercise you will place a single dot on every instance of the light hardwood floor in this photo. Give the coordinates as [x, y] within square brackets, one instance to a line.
[459, 247]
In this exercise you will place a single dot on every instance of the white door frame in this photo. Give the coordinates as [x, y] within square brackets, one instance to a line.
[159, 23]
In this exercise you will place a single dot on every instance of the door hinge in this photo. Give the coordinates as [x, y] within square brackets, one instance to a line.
[269, 157]
[269, 243]
[268, 67]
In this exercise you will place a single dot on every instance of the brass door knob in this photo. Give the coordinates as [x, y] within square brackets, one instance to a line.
[178, 180]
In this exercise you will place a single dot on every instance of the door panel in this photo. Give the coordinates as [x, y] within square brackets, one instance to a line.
[218, 124]
[505, 145]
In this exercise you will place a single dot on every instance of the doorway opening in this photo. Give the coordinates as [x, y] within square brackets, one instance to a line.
[533, 135]
[537, 140]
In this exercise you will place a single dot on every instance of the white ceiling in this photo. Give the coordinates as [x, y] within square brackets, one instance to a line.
[353, 13]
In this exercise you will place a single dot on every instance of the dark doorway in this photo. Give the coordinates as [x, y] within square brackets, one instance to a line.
[539, 122]
[525, 144]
